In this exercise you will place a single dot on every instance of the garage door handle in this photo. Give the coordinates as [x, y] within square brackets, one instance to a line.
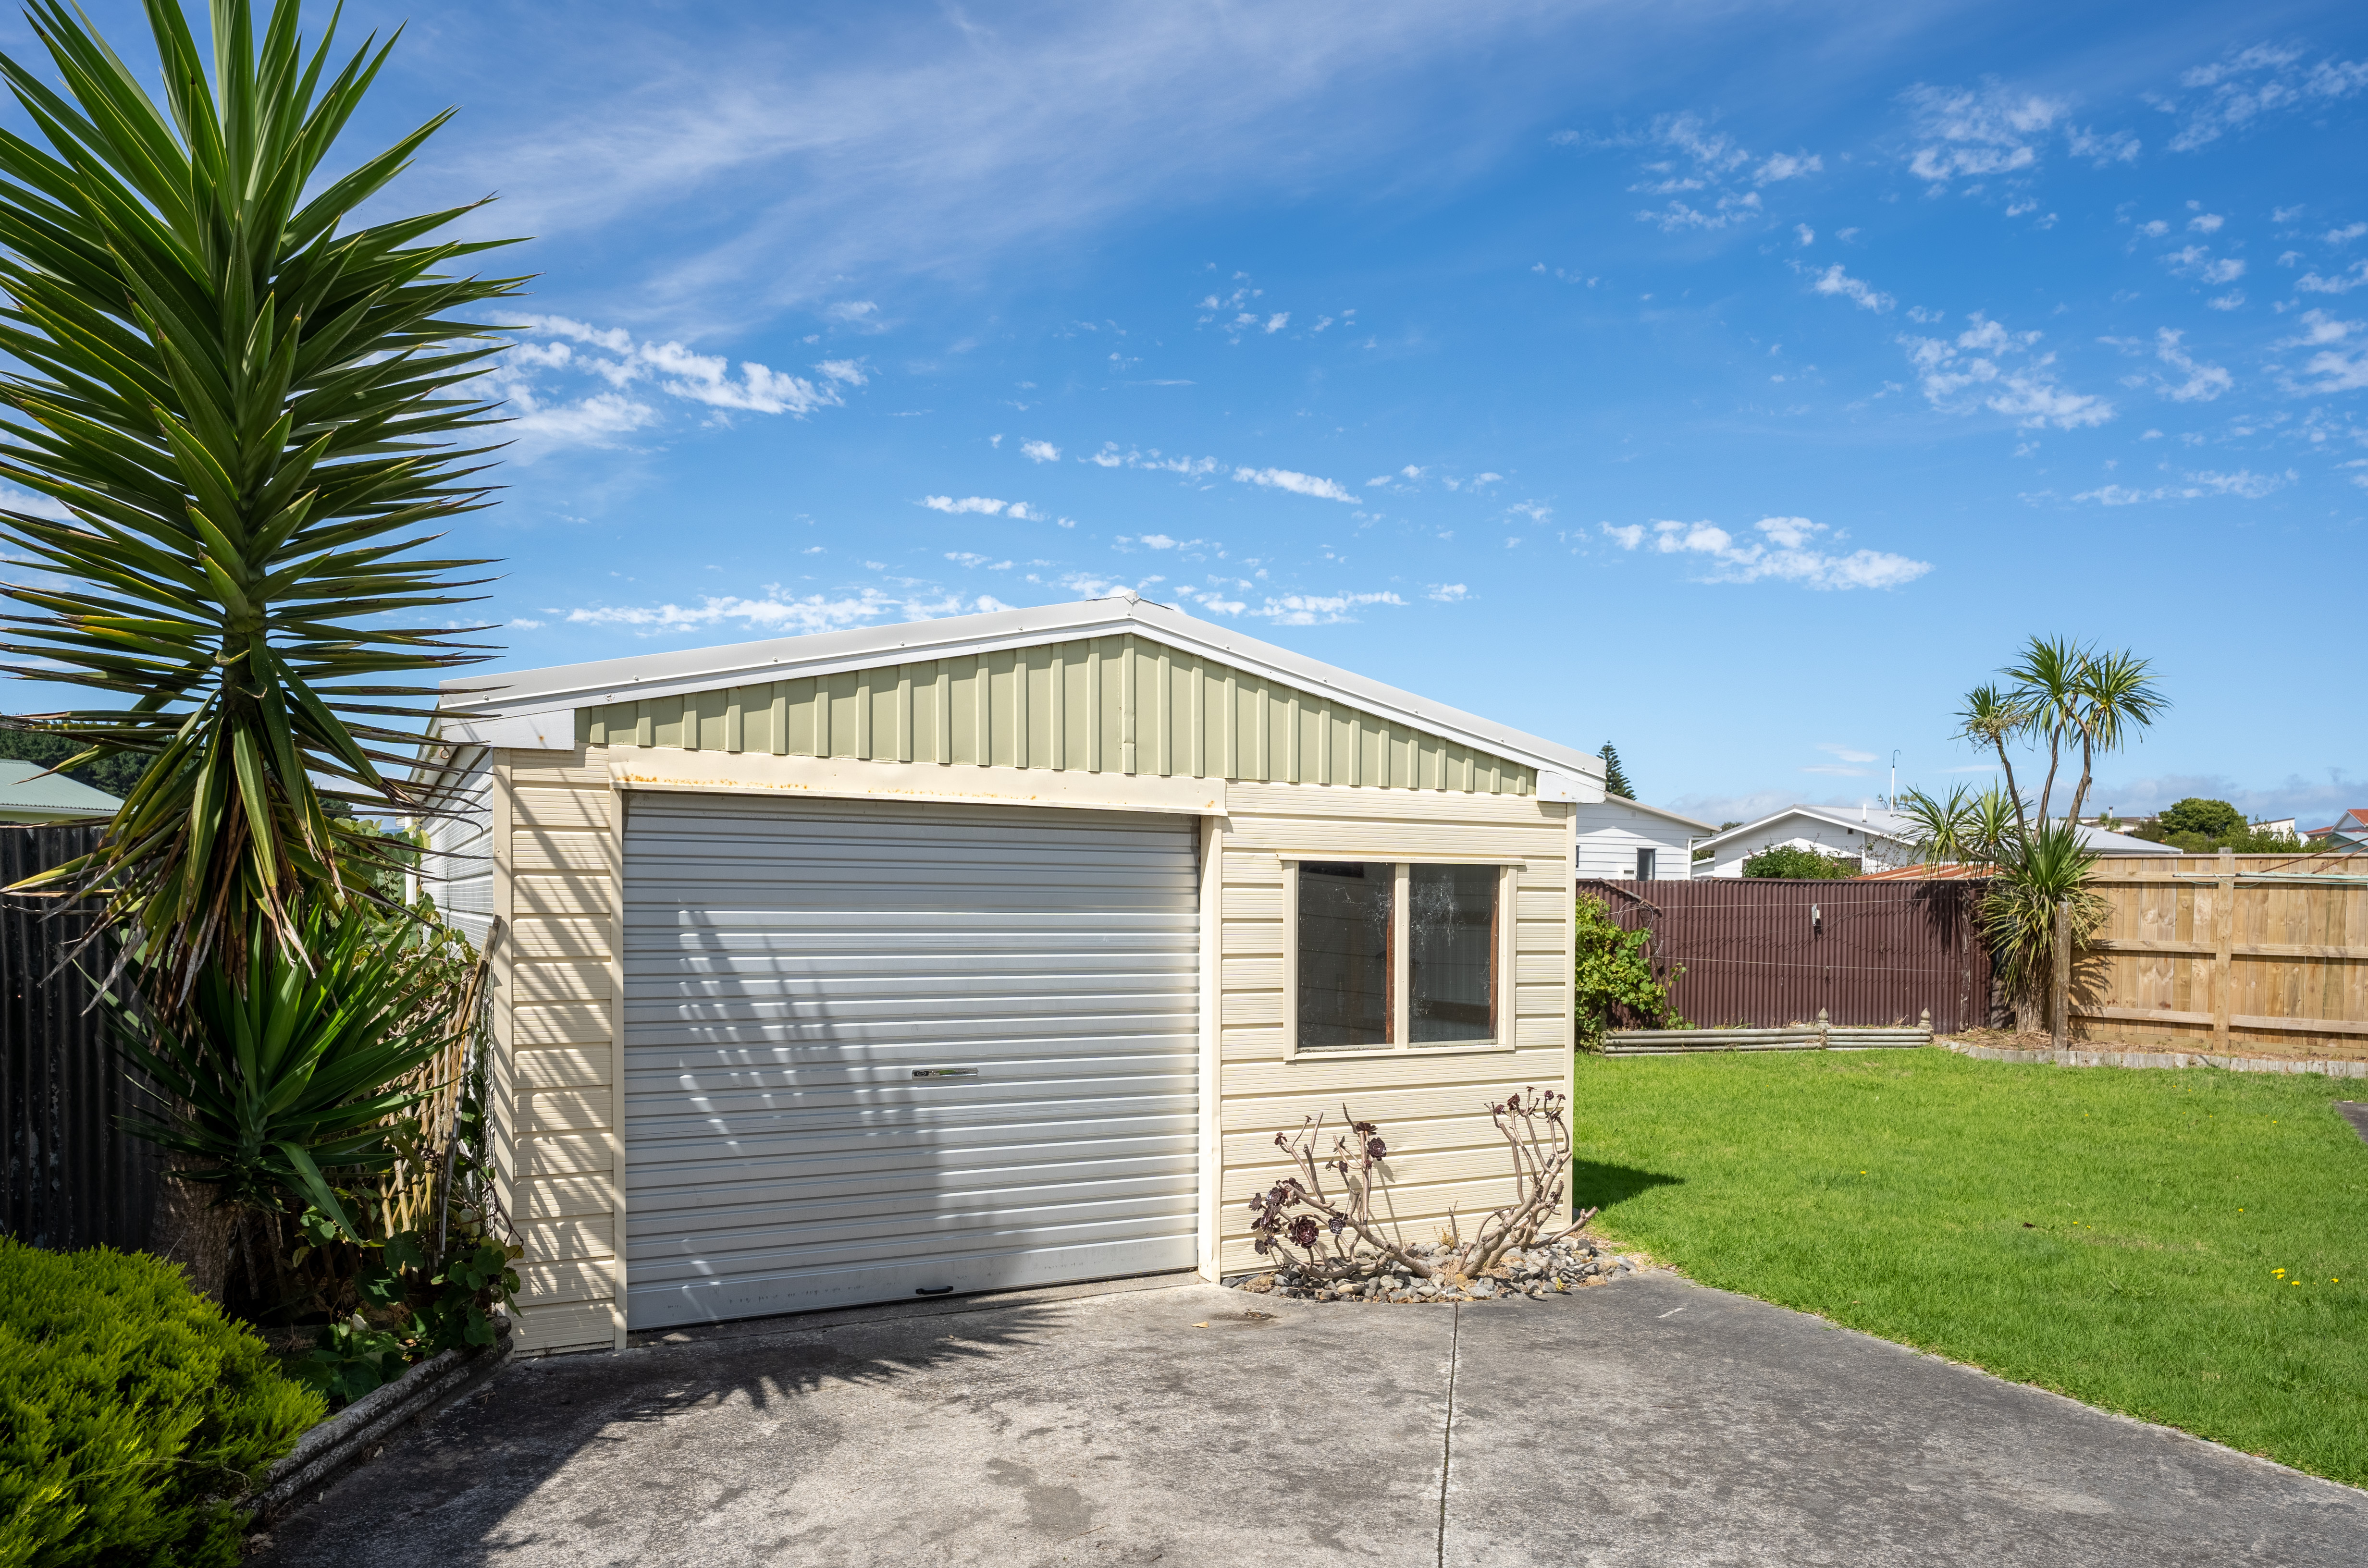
[933, 1290]
[945, 1072]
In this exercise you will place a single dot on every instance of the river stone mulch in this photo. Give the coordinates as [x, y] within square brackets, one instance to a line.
[1570, 1264]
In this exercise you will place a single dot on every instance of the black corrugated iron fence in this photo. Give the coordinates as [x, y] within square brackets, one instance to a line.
[1765, 953]
[75, 1178]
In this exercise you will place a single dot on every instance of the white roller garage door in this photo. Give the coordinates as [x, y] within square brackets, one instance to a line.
[879, 1050]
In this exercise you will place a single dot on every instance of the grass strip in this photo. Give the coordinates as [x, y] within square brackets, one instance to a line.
[2183, 1246]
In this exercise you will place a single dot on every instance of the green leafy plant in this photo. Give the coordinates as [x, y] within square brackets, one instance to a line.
[2044, 867]
[351, 1359]
[1614, 978]
[1791, 860]
[276, 1073]
[1964, 828]
[246, 407]
[133, 1416]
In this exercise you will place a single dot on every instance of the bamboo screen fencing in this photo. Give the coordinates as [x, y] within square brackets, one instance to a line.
[2246, 955]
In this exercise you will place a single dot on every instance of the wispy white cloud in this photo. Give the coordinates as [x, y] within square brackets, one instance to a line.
[2232, 93]
[1112, 456]
[1320, 609]
[2340, 360]
[631, 370]
[1987, 367]
[1450, 593]
[2196, 262]
[1041, 452]
[613, 354]
[2351, 278]
[1711, 181]
[1865, 296]
[780, 612]
[1784, 552]
[2203, 383]
[1296, 483]
[986, 504]
[2243, 483]
[1966, 133]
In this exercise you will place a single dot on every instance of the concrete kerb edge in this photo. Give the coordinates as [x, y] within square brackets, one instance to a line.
[2326, 1067]
[1672, 1272]
[346, 1439]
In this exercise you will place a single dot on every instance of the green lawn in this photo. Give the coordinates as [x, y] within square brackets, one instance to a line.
[2188, 1247]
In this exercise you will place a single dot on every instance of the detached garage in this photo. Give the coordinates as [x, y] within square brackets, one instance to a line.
[982, 953]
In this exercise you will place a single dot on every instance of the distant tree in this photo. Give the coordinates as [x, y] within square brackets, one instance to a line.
[1793, 862]
[1616, 777]
[2210, 818]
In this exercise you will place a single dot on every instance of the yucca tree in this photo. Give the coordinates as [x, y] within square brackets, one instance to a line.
[256, 416]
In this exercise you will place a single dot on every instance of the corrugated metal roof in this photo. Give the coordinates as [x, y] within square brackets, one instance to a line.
[30, 787]
[1944, 873]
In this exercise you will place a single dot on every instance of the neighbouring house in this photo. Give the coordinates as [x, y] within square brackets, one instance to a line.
[2347, 834]
[983, 952]
[1877, 840]
[1621, 838]
[29, 792]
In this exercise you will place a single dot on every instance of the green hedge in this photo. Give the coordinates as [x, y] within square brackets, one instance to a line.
[131, 1412]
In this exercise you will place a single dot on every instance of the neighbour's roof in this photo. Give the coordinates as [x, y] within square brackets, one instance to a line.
[1611, 800]
[1946, 873]
[1899, 830]
[561, 687]
[1882, 824]
[30, 786]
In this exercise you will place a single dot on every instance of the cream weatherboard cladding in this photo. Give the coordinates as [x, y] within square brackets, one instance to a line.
[1270, 772]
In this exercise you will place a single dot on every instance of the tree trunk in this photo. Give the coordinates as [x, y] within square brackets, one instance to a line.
[191, 1231]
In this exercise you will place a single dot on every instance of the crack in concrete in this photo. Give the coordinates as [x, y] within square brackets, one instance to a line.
[1447, 1437]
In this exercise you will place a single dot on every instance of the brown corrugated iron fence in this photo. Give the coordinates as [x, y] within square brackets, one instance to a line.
[1766, 953]
[75, 1178]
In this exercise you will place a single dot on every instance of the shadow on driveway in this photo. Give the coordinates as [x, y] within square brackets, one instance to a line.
[1647, 1422]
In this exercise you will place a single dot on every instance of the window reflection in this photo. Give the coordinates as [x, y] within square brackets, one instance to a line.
[1453, 933]
[1344, 954]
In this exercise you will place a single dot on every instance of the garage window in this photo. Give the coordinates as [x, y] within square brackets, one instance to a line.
[1397, 955]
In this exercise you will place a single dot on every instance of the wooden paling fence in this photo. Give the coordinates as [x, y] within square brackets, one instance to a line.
[2251, 955]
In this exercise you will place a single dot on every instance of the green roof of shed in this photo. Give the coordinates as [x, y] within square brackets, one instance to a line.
[28, 787]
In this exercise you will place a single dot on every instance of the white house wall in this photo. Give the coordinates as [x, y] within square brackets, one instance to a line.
[1872, 848]
[456, 869]
[1610, 832]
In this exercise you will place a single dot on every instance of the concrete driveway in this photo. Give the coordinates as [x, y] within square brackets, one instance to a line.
[1647, 1421]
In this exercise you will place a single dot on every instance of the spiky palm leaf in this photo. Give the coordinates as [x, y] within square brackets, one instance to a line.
[2038, 871]
[251, 416]
[282, 1068]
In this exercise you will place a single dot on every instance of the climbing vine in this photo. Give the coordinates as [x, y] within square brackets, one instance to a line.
[1615, 978]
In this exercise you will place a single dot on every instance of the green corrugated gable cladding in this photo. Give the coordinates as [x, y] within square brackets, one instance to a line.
[1117, 704]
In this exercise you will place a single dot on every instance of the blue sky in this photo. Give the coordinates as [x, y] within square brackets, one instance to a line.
[1736, 383]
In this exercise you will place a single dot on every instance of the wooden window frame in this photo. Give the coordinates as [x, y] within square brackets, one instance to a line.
[1501, 958]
